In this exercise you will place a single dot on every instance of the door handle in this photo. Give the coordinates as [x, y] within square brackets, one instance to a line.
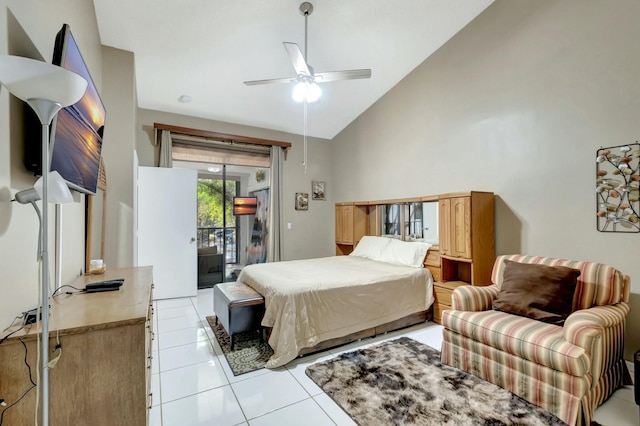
[192, 239]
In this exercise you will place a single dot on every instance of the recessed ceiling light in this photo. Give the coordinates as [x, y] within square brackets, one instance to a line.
[213, 169]
[184, 99]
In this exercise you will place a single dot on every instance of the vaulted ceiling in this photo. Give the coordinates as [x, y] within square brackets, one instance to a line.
[205, 49]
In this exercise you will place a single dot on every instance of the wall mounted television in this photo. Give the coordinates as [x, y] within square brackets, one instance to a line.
[76, 131]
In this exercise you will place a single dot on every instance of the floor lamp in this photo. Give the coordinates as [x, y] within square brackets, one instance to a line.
[46, 88]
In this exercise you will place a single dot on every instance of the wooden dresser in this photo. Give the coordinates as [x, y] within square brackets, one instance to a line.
[104, 374]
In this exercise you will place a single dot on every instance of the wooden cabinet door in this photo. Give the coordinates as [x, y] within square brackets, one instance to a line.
[347, 224]
[445, 226]
[460, 232]
[339, 216]
[344, 224]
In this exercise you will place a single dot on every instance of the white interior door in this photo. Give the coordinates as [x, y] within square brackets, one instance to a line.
[167, 215]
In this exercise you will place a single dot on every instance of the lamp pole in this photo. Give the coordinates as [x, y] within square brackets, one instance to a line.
[38, 84]
[45, 110]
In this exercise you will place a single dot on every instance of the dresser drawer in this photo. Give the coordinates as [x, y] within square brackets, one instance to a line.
[438, 308]
[432, 258]
[435, 272]
[443, 295]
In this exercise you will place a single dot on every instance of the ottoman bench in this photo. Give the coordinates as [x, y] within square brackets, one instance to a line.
[238, 307]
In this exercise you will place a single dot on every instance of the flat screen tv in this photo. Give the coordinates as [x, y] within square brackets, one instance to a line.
[76, 131]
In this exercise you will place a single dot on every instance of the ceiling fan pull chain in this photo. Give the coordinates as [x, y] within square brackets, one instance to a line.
[304, 137]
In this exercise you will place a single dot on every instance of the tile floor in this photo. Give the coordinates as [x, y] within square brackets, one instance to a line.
[193, 385]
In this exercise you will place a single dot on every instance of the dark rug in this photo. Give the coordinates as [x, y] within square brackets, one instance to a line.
[250, 351]
[403, 382]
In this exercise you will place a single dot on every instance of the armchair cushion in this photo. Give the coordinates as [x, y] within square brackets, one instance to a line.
[541, 292]
[535, 341]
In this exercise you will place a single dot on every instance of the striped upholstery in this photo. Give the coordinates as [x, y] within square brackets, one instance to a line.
[474, 298]
[598, 284]
[567, 370]
[538, 342]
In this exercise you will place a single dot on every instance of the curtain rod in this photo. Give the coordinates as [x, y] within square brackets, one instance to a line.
[223, 137]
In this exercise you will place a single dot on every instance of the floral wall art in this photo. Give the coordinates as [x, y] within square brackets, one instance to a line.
[618, 188]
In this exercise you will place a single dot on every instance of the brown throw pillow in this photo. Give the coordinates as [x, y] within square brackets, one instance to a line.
[541, 292]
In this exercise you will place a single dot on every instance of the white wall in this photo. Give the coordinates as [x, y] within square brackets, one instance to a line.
[28, 28]
[311, 233]
[517, 103]
[119, 97]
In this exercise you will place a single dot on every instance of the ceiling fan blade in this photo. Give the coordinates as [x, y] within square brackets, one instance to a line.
[297, 59]
[269, 81]
[323, 77]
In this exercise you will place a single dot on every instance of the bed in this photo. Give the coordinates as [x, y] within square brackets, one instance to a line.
[308, 302]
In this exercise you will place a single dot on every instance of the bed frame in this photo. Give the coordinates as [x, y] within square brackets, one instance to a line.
[407, 321]
[431, 262]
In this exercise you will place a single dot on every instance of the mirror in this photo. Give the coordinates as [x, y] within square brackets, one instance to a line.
[96, 207]
[430, 231]
[390, 221]
[413, 221]
[421, 222]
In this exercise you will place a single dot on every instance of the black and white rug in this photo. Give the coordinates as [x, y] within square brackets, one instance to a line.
[403, 382]
[250, 352]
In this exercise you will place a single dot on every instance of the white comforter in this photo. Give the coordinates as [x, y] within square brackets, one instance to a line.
[310, 301]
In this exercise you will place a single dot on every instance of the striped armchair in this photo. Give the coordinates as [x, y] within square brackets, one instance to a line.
[568, 370]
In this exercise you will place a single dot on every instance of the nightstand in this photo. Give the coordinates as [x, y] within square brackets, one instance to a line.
[442, 293]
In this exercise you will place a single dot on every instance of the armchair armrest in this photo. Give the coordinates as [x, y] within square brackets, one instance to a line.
[470, 298]
[594, 329]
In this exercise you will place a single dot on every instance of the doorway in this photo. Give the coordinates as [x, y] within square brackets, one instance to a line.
[228, 166]
[227, 242]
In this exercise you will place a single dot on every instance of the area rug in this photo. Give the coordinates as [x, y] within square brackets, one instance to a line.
[403, 382]
[250, 352]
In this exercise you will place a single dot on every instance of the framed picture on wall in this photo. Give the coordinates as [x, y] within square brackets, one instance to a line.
[257, 249]
[318, 190]
[302, 201]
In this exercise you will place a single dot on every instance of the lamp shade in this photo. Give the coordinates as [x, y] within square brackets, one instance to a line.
[29, 79]
[59, 192]
[244, 205]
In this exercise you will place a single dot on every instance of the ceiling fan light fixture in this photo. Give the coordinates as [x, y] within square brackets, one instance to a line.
[306, 90]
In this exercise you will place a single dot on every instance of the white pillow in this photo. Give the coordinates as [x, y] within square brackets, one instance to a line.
[404, 253]
[370, 247]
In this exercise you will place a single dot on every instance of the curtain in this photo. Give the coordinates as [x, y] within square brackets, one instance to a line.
[217, 153]
[166, 149]
[274, 249]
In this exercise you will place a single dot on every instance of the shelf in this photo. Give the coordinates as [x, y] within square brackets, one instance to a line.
[457, 259]
[454, 269]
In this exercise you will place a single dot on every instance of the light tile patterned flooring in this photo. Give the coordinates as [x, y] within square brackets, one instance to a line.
[192, 383]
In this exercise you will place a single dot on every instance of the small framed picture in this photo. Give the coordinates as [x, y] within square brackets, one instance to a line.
[318, 190]
[302, 201]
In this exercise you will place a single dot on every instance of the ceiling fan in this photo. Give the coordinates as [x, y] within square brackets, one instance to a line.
[306, 80]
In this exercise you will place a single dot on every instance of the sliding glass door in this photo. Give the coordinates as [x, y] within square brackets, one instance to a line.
[229, 241]
[226, 241]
